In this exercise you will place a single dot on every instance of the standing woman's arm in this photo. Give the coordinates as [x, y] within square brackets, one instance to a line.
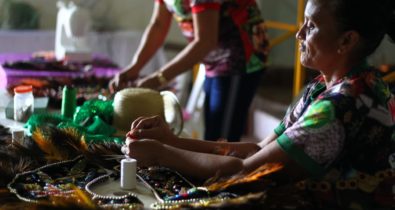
[206, 26]
[153, 37]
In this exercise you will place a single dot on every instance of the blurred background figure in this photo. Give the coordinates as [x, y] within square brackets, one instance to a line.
[228, 37]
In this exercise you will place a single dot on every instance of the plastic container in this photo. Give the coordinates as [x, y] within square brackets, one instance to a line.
[23, 103]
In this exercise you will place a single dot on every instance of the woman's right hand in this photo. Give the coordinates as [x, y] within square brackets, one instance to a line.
[151, 128]
[147, 152]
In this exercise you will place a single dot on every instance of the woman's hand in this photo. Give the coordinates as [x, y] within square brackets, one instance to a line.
[151, 128]
[121, 80]
[146, 151]
[241, 150]
[151, 81]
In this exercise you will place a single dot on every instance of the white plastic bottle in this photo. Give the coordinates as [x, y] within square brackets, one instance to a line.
[23, 103]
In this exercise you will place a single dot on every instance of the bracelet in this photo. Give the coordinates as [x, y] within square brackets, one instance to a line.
[161, 78]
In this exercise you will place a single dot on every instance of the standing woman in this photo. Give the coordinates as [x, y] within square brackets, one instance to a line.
[228, 37]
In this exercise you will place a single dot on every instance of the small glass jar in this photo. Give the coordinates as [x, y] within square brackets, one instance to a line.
[23, 102]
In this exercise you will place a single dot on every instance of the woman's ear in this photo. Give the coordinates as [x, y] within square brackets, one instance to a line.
[348, 41]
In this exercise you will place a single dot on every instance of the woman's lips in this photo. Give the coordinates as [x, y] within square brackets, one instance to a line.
[302, 47]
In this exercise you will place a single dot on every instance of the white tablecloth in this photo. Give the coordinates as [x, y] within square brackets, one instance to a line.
[119, 46]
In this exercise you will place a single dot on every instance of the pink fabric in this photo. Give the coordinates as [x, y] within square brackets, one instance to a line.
[3, 78]
[14, 75]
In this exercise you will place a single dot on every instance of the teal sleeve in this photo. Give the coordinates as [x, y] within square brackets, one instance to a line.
[279, 129]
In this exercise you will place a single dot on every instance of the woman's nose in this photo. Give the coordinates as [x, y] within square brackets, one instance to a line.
[300, 34]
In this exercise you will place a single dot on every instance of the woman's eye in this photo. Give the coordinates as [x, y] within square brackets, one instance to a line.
[310, 27]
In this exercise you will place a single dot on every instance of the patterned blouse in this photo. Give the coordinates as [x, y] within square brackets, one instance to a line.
[344, 136]
[242, 42]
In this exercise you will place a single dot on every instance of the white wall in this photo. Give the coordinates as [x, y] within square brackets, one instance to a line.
[135, 14]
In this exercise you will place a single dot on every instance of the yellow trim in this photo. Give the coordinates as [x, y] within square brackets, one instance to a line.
[299, 74]
[277, 40]
[281, 26]
[291, 30]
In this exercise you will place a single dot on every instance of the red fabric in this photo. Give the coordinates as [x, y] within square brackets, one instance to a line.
[239, 19]
[160, 1]
[203, 7]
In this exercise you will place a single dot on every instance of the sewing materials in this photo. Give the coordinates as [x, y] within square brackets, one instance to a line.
[56, 179]
[18, 135]
[23, 102]
[119, 200]
[131, 103]
[128, 173]
[164, 182]
[204, 202]
[69, 101]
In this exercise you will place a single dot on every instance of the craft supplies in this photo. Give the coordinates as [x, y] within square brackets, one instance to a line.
[131, 103]
[128, 173]
[118, 200]
[198, 203]
[69, 101]
[164, 182]
[23, 102]
[18, 135]
[59, 179]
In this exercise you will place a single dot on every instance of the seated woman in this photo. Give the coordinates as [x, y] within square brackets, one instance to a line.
[339, 131]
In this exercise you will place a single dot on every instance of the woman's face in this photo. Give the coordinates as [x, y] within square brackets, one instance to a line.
[318, 38]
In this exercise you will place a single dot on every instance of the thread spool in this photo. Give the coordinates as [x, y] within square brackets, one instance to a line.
[131, 103]
[69, 101]
[128, 173]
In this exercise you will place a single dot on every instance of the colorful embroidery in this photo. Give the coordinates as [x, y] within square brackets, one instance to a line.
[243, 45]
[348, 129]
[319, 114]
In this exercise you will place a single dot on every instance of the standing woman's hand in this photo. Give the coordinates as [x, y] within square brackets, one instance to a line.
[122, 80]
[151, 81]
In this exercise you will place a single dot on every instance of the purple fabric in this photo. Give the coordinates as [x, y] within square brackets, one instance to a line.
[13, 75]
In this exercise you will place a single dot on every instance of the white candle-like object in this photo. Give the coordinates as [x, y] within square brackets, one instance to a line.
[128, 173]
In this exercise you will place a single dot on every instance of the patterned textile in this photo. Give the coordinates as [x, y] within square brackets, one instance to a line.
[343, 135]
[243, 45]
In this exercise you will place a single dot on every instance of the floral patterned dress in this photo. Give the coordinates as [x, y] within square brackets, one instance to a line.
[243, 45]
[343, 135]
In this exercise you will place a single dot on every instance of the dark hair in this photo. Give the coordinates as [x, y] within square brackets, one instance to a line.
[391, 22]
[372, 19]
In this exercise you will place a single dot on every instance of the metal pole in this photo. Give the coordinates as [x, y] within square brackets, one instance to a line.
[299, 74]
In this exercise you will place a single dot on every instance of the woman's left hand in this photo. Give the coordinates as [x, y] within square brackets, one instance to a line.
[146, 151]
[153, 127]
[151, 81]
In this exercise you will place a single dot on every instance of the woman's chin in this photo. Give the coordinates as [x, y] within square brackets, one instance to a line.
[307, 64]
[304, 61]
